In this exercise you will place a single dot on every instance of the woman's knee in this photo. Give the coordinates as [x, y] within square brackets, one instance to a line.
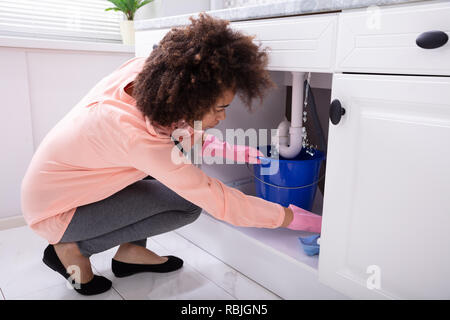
[194, 212]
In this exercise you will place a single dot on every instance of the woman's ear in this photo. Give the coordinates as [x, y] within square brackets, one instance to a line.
[129, 88]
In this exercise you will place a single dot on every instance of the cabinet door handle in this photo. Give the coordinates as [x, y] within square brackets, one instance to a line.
[432, 39]
[336, 111]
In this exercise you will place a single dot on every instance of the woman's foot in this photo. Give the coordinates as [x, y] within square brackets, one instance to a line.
[131, 259]
[70, 255]
[131, 253]
[76, 268]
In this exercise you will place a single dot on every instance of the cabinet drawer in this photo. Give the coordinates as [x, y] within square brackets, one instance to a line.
[301, 43]
[383, 40]
[146, 39]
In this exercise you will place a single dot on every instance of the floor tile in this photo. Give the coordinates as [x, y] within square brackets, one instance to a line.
[22, 271]
[232, 281]
[185, 283]
[25, 276]
[62, 292]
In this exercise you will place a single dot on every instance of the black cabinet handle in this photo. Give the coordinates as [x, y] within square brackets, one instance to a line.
[155, 46]
[336, 111]
[432, 39]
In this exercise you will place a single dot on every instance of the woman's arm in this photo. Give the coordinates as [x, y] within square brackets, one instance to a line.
[154, 157]
[211, 146]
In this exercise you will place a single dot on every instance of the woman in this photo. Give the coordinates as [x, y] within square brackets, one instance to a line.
[85, 189]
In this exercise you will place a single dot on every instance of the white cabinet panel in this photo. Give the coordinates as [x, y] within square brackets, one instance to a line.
[59, 80]
[383, 40]
[301, 43]
[387, 203]
[146, 39]
[16, 131]
[305, 43]
[38, 86]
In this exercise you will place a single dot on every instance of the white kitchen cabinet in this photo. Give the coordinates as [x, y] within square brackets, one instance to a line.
[386, 211]
[145, 40]
[305, 43]
[40, 82]
[16, 129]
[383, 40]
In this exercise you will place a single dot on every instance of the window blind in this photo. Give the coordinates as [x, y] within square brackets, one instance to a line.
[60, 19]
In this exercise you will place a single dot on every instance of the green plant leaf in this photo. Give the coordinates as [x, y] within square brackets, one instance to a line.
[128, 7]
[132, 8]
[132, 5]
[122, 5]
[143, 3]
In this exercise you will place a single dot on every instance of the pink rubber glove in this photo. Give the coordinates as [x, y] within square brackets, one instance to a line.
[305, 220]
[214, 147]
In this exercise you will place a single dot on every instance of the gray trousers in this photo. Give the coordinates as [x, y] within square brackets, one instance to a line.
[131, 215]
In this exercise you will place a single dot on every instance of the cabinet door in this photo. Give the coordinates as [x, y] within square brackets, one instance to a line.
[386, 213]
[17, 139]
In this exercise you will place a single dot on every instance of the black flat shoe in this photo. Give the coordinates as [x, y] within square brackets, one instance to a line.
[122, 269]
[97, 285]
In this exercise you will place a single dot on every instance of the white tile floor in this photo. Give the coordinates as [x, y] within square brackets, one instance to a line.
[23, 275]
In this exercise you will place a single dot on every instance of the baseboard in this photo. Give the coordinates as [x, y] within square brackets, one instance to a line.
[12, 222]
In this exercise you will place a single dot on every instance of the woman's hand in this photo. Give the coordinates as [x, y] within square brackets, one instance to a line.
[214, 147]
[304, 220]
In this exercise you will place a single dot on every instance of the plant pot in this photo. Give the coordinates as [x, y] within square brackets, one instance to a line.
[127, 31]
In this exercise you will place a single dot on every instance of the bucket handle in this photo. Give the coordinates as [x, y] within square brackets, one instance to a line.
[273, 185]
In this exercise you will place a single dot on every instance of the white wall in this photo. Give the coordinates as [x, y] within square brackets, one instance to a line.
[39, 85]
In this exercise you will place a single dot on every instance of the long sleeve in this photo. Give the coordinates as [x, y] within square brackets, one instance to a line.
[213, 147]
[153, 156]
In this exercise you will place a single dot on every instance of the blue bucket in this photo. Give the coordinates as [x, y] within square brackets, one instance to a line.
[295, 181]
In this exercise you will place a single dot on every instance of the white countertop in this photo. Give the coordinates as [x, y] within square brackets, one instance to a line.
[276, 9]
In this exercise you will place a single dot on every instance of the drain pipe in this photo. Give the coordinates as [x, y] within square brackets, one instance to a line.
[283, 132]
[295, 129]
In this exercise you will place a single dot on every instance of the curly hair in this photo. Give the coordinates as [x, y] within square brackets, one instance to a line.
[190, 68]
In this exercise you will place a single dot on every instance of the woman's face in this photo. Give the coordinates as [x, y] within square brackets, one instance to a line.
[217, 112]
